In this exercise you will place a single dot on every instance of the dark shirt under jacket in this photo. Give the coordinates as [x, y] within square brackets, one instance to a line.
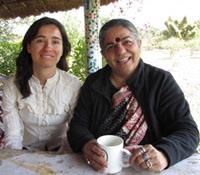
[171, 127]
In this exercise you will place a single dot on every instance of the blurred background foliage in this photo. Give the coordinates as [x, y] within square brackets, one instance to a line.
[8, 52]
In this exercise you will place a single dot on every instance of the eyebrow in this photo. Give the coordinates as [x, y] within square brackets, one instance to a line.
[110, 43]
[42, 36]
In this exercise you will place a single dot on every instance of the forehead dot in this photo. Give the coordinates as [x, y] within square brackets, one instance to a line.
[117, 39]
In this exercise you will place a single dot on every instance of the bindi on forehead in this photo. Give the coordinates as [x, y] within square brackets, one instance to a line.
[117, 39]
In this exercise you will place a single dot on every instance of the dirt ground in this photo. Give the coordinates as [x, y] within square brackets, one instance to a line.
[186, 70]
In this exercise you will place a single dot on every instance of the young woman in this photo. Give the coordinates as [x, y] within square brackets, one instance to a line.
[39, 100]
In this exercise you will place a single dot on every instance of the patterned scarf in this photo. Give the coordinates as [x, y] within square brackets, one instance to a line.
[126, 118]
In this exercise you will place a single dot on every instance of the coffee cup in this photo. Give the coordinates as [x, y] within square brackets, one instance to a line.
[116, 156]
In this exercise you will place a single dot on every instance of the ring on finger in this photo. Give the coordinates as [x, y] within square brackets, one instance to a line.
[145, 156]
[142, 150]
[148, 163]
[88, 162]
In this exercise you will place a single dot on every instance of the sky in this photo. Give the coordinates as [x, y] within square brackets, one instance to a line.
[156, 12]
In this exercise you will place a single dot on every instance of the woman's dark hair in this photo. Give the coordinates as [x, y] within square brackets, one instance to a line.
[24, 61]
[115, 23]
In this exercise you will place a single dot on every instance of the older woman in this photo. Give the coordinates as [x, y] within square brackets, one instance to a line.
[136, 101]
[39, 100]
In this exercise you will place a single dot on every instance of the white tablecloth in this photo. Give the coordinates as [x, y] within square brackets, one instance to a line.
[40, 163]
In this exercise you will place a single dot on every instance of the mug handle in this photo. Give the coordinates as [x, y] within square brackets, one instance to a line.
[126, 154]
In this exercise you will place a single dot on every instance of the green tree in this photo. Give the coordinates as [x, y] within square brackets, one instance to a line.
[78, 60]
[8, 53]
[6, 31]
[9, 47]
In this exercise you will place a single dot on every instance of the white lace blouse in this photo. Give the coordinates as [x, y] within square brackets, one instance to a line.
[43, 116]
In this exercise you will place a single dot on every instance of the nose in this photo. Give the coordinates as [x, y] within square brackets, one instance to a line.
[47, 45]
[119, 48]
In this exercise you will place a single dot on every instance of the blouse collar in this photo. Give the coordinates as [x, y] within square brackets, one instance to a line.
[50, 81]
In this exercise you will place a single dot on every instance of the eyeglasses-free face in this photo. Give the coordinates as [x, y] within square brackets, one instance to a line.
[46, 48]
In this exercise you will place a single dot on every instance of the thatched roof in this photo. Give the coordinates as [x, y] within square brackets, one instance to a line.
[22, 8]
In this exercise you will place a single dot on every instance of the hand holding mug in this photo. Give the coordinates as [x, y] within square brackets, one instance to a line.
[94, 155]
[116, 156]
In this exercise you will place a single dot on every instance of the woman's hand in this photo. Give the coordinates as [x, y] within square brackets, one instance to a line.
[94, 155]
[147, 157]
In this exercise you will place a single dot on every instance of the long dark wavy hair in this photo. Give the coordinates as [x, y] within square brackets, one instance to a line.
[24, 69]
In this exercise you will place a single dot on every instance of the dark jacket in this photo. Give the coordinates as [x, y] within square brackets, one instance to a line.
[171, 127]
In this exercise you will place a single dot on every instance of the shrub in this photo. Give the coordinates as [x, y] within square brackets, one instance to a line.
[78, 60]
[179, 29]
[8, 53]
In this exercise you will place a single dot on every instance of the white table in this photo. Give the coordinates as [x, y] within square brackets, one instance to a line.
[40, 163]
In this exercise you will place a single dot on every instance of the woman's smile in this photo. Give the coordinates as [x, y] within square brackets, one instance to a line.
[123, 60]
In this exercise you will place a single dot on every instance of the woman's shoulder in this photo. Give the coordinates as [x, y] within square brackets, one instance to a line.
[9, 87]
[99, 75]
[9, 81]
[68, 78]
[158, 75]
[156, 71]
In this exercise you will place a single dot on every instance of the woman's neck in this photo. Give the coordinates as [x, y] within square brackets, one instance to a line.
[43, 75]
[117, 81]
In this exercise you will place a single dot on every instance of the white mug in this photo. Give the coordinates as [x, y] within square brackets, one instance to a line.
[117, 157]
